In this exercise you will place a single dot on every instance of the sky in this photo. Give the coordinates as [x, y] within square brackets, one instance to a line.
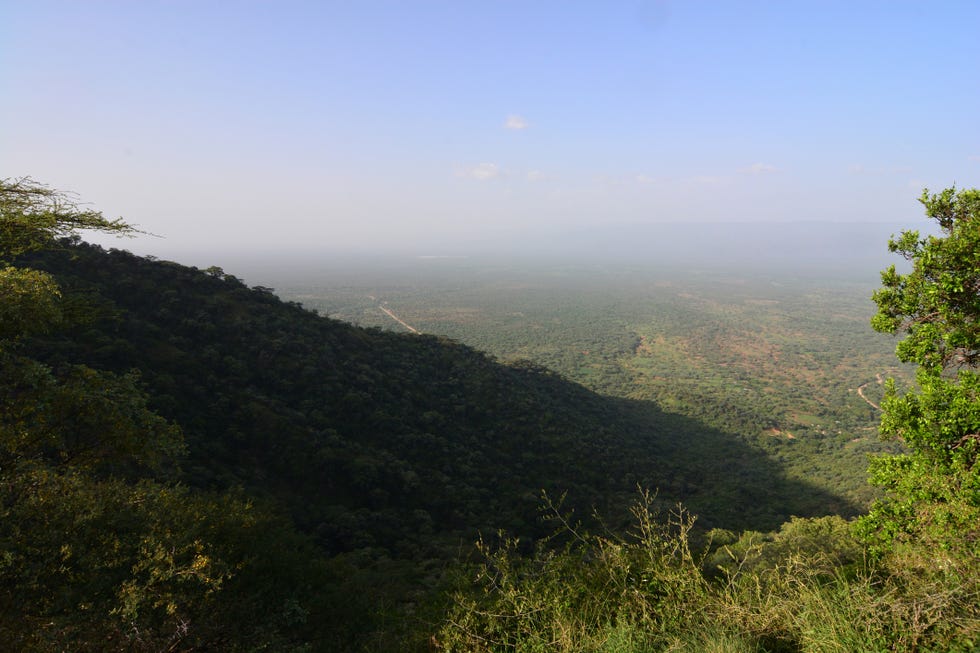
[426, 126]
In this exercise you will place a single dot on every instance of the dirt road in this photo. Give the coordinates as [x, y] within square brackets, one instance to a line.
[398, 319]
[860, 391]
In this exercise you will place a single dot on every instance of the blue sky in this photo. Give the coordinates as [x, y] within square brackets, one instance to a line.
[360, 125]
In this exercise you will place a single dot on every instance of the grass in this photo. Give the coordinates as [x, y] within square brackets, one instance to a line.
[807, 588]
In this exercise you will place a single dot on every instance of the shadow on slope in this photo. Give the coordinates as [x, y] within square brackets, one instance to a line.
[374, 441]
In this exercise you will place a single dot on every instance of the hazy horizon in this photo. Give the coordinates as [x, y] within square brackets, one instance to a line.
[624, 240]
[232, 128]
[856, 252]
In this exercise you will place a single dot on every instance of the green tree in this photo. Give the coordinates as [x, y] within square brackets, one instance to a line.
[932, 492]
[33, 217]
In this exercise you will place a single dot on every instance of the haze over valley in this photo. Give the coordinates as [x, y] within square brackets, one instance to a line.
[488, 327]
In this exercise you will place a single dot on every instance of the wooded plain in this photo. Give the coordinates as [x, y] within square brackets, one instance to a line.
[783, 361]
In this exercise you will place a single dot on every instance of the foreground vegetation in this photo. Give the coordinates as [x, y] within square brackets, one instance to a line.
[810, 586]
[187, 463]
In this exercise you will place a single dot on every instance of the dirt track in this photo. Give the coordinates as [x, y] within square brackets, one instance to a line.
[401, 321]
[860, 391]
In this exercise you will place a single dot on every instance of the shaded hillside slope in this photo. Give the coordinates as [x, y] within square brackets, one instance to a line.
[385, 442]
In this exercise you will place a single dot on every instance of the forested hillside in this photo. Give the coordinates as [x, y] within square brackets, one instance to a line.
[376, 439]
[384, 456]
[187, 463]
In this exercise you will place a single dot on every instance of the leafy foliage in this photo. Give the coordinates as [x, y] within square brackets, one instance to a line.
[937, 304]
[34, 216]
[933, 492]
[30, 303]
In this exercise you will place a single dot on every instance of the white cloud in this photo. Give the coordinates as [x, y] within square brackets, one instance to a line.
[516, 122]
[481, 172]
[536, 175]
[759, 169]
[974, 157]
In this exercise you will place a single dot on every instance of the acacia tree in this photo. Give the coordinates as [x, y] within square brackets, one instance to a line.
[932, 492]
[33, 217]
